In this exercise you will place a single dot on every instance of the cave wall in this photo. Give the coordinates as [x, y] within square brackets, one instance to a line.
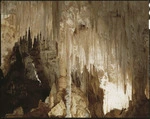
[111, 36]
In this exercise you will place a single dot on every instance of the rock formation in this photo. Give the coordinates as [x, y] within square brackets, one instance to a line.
[84, 58]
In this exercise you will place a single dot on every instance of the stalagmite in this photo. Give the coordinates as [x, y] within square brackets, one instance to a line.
[68, 89]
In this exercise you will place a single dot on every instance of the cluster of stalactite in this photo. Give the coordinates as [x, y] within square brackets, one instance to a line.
[95, 34]
[115, 45]
[26, 45]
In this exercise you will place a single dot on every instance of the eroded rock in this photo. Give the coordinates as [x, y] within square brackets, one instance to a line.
[41, 111]
[79, 103]
[18, 112]
[58, 110]
[116, 113]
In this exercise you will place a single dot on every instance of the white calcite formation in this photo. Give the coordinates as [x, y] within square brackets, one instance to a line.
[110, 36]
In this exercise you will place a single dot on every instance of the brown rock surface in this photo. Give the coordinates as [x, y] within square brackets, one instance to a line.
[58, 110]
[18, 112]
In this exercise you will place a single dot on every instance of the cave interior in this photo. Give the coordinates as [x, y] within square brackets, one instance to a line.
[74, 59]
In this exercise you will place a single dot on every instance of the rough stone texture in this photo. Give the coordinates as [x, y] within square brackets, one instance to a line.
[88, 83]
[140, 109]
[30, 69]
[49, 60]
[58, 110]
[8, 35]
[39, 112]
[115, 113]
[52, 96]
[79, 104]
[18, 112]
[17, 88]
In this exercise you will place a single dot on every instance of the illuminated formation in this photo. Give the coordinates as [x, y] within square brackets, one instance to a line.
[84, 58]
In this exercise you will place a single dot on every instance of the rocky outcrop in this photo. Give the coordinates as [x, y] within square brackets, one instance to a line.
[116, 113]
[79, 104]
[17, 89]
[17, 113]
[88, 82]
[52, 96]
[30, 69]
[58, 110]
[140, 109]
[54, 106]
[40, 112]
